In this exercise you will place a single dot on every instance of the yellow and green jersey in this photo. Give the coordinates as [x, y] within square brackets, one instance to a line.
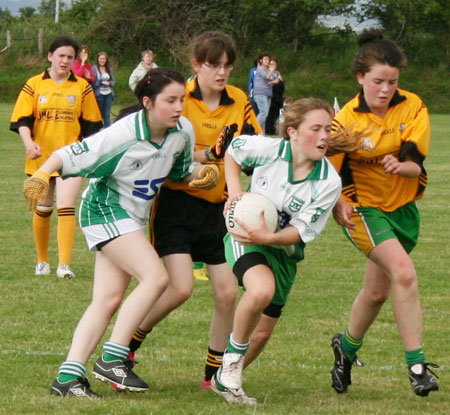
[404, 132]
[57, 114]
[234, 108]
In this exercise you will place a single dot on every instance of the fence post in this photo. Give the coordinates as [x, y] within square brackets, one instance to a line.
[41, 42]
[8, 38]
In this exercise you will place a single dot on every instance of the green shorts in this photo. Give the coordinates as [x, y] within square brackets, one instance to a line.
[242, 257]
[374, 226]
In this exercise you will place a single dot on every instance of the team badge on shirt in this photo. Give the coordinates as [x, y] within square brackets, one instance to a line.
[401, 127]
[262, 182]
[136, 165]
[296, 204]
[71, 100]
[42, 99]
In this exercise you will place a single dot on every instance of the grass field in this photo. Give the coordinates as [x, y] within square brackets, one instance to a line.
[39, 314]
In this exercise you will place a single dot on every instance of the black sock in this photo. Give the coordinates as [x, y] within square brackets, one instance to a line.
[212, 363]
[138, 337]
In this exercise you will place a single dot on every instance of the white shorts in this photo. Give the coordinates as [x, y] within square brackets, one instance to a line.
[96, 234]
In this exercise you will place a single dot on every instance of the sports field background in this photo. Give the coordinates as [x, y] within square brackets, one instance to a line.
[39, 314]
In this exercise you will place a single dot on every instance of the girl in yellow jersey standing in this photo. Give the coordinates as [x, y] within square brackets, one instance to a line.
[192, 226]
[377, 207]
[54, 109]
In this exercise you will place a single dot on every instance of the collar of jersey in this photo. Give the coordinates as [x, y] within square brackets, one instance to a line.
[363, 107]
[319, 172]
[143, 131]
[224, 98]
[71, 76]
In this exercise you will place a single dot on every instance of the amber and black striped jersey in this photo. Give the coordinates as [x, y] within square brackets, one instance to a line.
[57, 114]
[234, 108]
[404, 132]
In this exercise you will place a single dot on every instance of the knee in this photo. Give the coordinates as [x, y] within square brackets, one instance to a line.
[406, 279]
[260, 298]
[226, 298]
[180, 294]
[378, 296]
[108, 305]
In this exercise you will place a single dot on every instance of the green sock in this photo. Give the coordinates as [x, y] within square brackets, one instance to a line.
[64, 377]
[350, 345]
[414, 356]
[71, 370]
[235, 347]
[108, 357]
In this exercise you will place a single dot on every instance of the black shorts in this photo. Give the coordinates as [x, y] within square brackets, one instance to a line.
[184, 224]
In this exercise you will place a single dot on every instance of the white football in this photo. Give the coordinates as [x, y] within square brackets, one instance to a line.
[248, 209]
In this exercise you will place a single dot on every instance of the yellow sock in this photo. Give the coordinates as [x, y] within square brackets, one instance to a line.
[65, 233]
[41, 231]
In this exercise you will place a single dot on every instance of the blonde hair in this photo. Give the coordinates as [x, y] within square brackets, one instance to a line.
[295, 113]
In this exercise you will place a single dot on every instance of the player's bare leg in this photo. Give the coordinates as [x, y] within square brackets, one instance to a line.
[224, 287]
[259, 338]
[179, 289]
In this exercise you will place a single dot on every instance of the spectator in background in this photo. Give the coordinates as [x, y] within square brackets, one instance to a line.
[103, 86]
[251, 79]
[140, 70]
[276, 104]
[82, 67]
[262, 89]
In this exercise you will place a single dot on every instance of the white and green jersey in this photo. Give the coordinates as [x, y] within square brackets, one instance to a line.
[126, 168]
[305, 204]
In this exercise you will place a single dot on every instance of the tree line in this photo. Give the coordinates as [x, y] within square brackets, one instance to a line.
[166, 26]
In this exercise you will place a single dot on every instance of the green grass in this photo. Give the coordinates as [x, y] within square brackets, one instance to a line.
[39, 315]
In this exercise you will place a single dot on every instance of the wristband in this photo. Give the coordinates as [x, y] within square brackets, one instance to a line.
[41, 174]
[209, 154]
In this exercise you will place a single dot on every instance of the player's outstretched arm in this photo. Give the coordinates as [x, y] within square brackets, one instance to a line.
[36, 187]
[204, 176]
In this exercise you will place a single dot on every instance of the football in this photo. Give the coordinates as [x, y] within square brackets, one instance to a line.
[248, 209]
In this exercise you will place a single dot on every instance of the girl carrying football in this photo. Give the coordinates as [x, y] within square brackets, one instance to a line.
[127, 163]
[304, 186]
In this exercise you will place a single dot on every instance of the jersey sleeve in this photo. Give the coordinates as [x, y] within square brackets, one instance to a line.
[184, 163]
[250, 126]
[250, 151]
[97, 155]
[23, 109]
[311, 221]
[91, 118]
[418, 132]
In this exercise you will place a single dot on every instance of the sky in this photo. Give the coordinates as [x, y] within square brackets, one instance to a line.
[15, 5]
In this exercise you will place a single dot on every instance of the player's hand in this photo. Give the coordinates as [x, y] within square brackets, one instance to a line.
[230, 200]
[33, 151]
[391, 164]
[260, 235]
[35, 188]
[342, 213]
[223, 141]
[208, 177]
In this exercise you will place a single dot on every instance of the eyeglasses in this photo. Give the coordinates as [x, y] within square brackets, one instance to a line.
[217, 68]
